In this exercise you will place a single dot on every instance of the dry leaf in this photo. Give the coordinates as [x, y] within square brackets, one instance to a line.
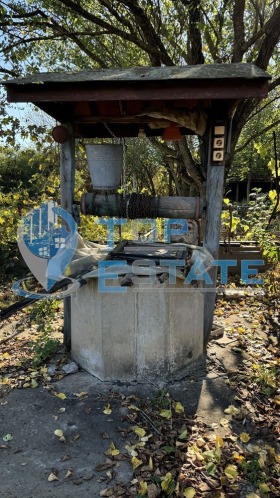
[139, 431]
[52, 477]
[231, 472]
[224, 422]
[58, 432]
[189, 493]
[143, 487]
[61, 395]
[104, 466]
[107, 409]
[232, 410]
[264, 488]
[165, 414]
[153, 491]
[179, 408]
[183, 434]
[104, 435]
[244, 437]
[112, 450]
[219, 441]
[107, 492]
[8, 437]
[69, 473]
[60, 435]
[136, 462]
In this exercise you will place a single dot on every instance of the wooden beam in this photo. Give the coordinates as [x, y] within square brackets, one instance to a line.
[67, 179]
[214, 204]
[166, 207]
[175, 90]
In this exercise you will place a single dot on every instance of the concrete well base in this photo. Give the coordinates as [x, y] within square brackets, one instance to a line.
[151, 332]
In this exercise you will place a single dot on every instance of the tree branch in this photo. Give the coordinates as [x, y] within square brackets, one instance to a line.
[151, 50]
[238, 30]
[256, 36]
[256, 135]
[148, 31]
[189, 163]
[274, 84]
[8, 71]
[23, 41]
[272, 36]
[195, 12]
[262, 108]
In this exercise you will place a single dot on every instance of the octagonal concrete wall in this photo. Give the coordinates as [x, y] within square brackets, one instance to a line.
[153, 332]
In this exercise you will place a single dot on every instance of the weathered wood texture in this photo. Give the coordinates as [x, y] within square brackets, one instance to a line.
[166, 207]
[129, 92]
[67, 177]
[137, 91]
[214, 203]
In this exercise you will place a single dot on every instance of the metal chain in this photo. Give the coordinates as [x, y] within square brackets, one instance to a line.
[111, 132]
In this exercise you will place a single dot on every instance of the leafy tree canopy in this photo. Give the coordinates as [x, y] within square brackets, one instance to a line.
[80, 34]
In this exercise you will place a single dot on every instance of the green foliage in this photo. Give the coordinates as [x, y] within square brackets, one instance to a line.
[27, 178]
[252, 223]
[257, 219]
[44, 345]
[71, 36]
[253, 470]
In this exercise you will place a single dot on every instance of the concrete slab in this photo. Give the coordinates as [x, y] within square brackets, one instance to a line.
[30, 416]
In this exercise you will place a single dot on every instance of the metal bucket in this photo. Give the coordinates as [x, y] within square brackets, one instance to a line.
[105, 163]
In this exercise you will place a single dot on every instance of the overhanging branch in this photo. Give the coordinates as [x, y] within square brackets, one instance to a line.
[256, 135]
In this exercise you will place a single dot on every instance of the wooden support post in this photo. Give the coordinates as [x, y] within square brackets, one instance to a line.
[248, 188]
[67, 179]
[237, 192]
[214, 204]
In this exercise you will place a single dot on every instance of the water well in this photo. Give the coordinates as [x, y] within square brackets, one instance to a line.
[157, 332]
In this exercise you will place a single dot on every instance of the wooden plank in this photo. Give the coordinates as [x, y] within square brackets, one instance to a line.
[175, 90]
[168, 73]
[67, 177]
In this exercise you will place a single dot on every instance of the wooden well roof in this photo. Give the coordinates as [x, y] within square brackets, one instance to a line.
[125, 100]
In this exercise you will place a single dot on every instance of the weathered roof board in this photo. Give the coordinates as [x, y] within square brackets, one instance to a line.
[120, 97]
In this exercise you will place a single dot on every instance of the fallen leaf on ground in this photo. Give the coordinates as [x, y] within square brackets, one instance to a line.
[136, 462]
[61, 396]
[189, 493]
[107, 409]
[139, 431]
[52, 477]
[8, 437]
[244, 437]
[112, 450]
[107, 492]
[165, 414]
[179, 408]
